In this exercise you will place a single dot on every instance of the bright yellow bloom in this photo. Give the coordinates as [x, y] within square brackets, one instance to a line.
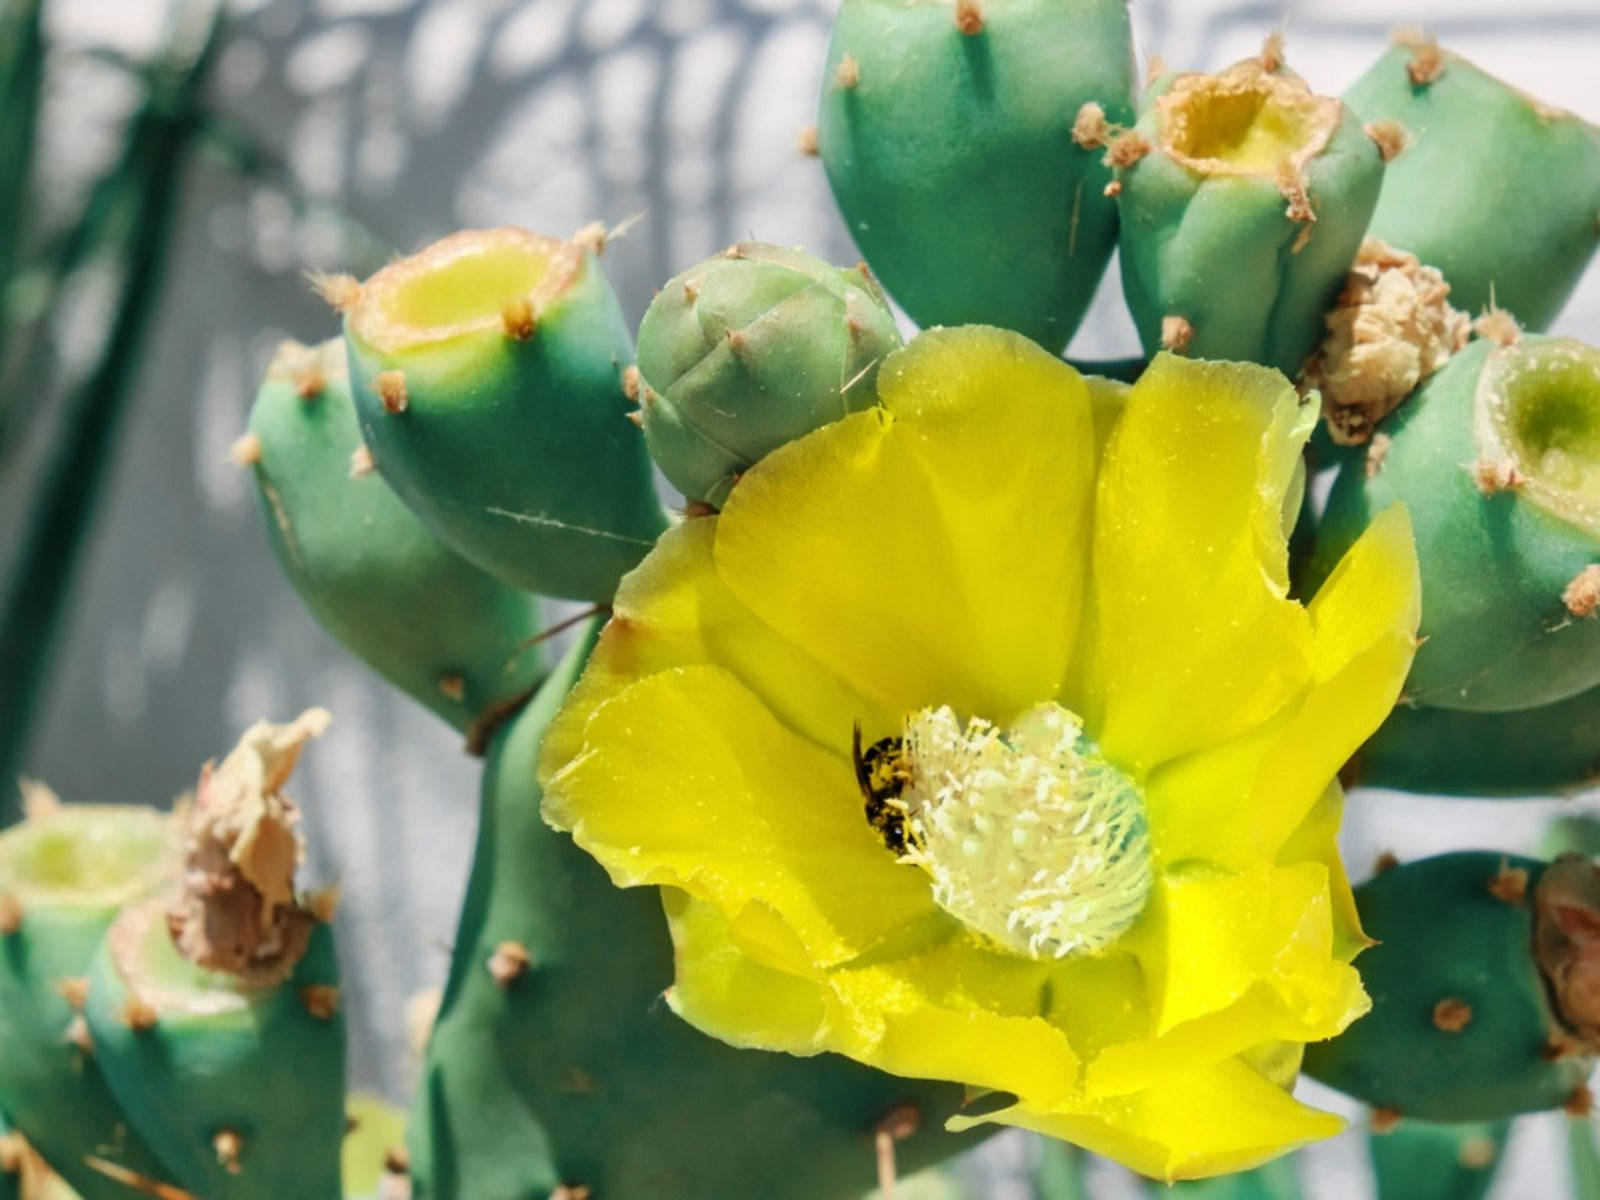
[1102, 740]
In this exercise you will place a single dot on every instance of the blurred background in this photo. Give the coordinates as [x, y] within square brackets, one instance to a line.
[169, 169]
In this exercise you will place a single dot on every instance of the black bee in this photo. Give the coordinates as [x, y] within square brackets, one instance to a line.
[882, 772]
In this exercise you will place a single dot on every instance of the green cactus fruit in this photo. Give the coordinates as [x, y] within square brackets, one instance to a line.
[1425, 1160]
[64, 874]
[1529, 752]
[487, 372]
[1497, 190]
[749, 350]
[1275, 1181]
[1477, 982]
[451, 636]
[946, 130]
[216, 1014]
[555, 1061]
[1497, 457]
[1244, 198]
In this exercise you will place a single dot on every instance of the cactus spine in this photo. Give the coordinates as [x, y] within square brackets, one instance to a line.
[446, 633]
[216, 1015]
[752, 349]
[487, 372]
[1476, 983]
[1244, 198]
[946, 128]
[1495, 189]
[64, 874]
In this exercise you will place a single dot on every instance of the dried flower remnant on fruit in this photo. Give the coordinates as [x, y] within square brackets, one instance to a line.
[1492, 476]
[1566, 941]
[1427, 61]
[1390, 137]
[1391, 328]
[237, 909]
[847, 75]
[1498, 325]
[1176, 334]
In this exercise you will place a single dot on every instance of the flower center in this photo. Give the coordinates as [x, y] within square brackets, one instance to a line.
[1032, 839]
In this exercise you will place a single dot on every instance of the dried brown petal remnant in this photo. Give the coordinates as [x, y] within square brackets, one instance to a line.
[237, 909]
[1392, 327]
[1566, 942]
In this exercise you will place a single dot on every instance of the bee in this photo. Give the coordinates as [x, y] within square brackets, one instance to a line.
[882, 772]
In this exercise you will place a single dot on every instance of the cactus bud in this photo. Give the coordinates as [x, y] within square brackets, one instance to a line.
[739, 355]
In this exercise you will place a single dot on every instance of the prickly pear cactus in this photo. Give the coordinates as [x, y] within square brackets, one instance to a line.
[217, 1015]
[1424, 1160]
[946, 130]
[749, 350]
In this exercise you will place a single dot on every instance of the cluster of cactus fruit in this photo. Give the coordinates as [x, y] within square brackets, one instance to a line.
[483, 435]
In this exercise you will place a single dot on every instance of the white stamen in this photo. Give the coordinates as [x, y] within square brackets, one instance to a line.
[1032, 839]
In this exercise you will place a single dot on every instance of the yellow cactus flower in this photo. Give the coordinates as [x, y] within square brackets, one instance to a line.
[978, 739]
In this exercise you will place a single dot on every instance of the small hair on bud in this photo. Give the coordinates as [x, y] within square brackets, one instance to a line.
[1292, 187]
[592, 236]
[1492, 476]
[39, 799]
[74, 990]
[1582, 595]
[1452, 1014]
[572, 1191]
[1387, 860]
[362, 463]
[691, 287]
[1090, 128]
[245, 450]
[341, 292]
[321, 1001]
[1377, 451]
[1384, 1120]
[309, 381]
[1580, 1103]
[632, 381]
[517, 318]
[1390, 137]
[1426, 63]
[10, 915]
[1498, 325]
[453, 687]
[509, 963]
[737, 340]
[1176, 333]
[847, 75]
[1271, 56]
[323, 904]
[636, 415]
[77, 1034]
[391, 389]
[13, 1150]
[1127, 148]
[969, 17]
[228, 1146]
[1509, 884]
[805, 141]
[1113, 189]
[1477, 1153]
[1155, 66]
[137, 1015]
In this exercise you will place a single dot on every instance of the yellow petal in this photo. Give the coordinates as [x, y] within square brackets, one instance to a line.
[1211, 1121]
[1317, 841]
[1198, 639]
[673, 611]
[932, 551]
[686, 780]
[724, 992]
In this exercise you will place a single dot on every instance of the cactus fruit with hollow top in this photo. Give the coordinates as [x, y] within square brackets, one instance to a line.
[216, 1013]
[946, 131]
[1497, 190]
[487, 370]
[1244, 198]
[751, 349]
[65, 872]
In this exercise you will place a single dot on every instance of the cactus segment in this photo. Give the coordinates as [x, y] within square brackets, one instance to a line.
[449, 635]
[1495, 189]
[487, 372]
[64, 873]
[951, 155]
[752, 349]
[574, 1072]
[1422, 1160]
[1244, 198]
[1497, 457]
[1529, 752]
[1464, 1025]
[216, 1016]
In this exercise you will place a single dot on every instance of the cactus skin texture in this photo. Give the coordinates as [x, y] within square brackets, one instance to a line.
[1463, 1025]
[555, 1060]
[1221, 258]
[752, 349]
[1503, 500]
[216, 1013]
[428, 621]
[1498, 191]
[1529, 752]
[487, 372]
[951, 155]
[54, 1092]
[1422, 1160]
